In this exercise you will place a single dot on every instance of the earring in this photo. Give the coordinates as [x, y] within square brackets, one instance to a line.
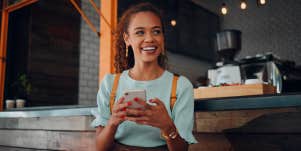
[126, 51]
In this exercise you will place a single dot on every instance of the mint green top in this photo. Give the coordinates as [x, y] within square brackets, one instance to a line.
[130, 133]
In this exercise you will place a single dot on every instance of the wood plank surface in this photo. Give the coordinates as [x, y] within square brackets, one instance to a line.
[230, 91]
[54, 140]
[217, 122]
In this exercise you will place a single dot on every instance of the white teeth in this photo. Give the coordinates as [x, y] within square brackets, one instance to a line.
[148, 48]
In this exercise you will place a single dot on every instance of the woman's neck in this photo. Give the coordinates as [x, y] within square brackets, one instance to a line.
[145, 72]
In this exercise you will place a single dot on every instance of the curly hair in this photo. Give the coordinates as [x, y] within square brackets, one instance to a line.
[121, 61]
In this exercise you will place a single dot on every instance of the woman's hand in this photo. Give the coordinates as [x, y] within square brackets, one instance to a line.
[118, 112]
[153, 115]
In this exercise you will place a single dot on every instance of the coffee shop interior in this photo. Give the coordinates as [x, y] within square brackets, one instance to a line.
[242, 57]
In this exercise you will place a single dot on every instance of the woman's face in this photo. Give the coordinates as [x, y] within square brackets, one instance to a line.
[145, 36]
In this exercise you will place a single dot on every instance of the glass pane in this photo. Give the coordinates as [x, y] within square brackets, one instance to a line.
[43, 54]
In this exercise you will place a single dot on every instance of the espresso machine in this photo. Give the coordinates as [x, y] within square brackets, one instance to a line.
[271, 69]
[227, 70]
[261, 68]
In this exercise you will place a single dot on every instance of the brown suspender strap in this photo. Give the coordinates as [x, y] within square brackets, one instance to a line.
[113, 92]
[173, 97]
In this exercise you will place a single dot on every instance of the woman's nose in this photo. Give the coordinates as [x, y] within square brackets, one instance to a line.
[149, 37]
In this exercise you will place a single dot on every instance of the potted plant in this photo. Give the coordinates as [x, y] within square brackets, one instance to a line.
[22, 89]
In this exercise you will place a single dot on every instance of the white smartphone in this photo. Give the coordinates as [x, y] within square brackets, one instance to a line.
[129, 95]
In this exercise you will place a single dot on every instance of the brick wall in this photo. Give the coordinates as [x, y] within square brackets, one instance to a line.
[272, 28]
[89, 57]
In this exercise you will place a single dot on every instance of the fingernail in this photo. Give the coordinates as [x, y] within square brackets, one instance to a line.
[129, 103]
[123, 116]
[151, 100]
[124, 109]
[136, 99]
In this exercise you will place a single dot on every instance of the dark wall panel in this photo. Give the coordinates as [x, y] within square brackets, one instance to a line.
[54, 53]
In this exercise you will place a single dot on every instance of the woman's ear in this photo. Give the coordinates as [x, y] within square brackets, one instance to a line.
[126, 39]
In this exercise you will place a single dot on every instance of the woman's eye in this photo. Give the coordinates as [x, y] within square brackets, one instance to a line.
[139, 32]
[157, 32]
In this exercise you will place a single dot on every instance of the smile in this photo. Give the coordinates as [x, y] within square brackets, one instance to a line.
[151, 48]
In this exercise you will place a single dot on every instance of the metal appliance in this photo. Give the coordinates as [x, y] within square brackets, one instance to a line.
[262, 68]
[228, 44]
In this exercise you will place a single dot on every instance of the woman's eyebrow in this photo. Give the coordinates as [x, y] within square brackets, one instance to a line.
[157, 27]
[141, 28]
[138, 28]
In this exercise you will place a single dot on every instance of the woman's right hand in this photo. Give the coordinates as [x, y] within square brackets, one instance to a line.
[118, 112]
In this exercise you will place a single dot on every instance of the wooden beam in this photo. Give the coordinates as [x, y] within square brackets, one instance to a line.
[99, 12]
[3, 41]
[19, 5]
[86, 19]
[106, 50]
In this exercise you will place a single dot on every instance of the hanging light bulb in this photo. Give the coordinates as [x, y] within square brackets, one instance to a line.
[243, 4]
[224, 9]
[173, 22]
[261, 2]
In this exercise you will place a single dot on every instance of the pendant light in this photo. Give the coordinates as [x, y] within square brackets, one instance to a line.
[224, 9]
[173, 22]
[243, 4]
[261, 2]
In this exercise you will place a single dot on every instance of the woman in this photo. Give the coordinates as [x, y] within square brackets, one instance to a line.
[141, 60]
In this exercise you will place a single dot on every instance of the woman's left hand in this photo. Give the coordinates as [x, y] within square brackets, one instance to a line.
[153, 115]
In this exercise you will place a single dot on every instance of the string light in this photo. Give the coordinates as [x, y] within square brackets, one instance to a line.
[224, 9]
[243, 4]
[173, 22]
[261, 2]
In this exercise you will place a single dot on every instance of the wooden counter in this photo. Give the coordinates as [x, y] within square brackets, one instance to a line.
[248, 102]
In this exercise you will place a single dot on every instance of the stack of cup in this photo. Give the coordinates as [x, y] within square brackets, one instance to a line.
[20, 103]
[10, 103]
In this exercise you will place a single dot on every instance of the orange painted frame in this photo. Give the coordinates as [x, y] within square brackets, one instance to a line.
[85, 17]
[106, 49]
[3, 40]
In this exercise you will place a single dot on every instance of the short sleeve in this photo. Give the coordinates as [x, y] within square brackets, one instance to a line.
[183, 110]
[102, 114]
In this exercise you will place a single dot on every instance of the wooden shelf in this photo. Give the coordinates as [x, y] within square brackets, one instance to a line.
[230, 91]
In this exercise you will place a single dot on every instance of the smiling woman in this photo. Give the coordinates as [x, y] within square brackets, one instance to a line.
[166, 119]
[129, 38]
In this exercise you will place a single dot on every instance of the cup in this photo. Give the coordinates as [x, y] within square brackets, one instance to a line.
[10, 103]
[20, 103]
[253, 81]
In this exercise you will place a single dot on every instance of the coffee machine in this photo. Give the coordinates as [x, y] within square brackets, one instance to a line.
[262, 68]
[227, 70]
[271, 69]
